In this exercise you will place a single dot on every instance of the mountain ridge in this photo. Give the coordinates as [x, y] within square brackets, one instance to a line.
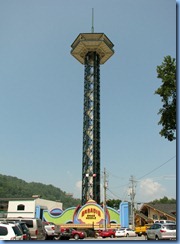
[13, 187]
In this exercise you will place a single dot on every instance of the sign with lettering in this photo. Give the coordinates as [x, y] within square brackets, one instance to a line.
[91, 213]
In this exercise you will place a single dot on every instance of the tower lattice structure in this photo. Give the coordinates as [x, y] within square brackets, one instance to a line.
[91, 50]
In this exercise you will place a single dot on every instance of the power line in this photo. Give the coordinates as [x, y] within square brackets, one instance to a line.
[113, 193]
[123, 197]
[148, 172]
[157, 168]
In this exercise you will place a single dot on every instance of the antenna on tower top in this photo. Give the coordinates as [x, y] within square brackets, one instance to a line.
[92, 28]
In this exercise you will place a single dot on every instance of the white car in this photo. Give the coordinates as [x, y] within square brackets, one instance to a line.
[10, 232]
[122, 232]
[160, 231]
[119, 233]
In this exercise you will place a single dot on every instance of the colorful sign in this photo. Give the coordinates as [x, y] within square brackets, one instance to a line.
[90, 213]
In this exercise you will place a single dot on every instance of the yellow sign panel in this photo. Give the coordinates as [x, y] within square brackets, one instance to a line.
[91, 213]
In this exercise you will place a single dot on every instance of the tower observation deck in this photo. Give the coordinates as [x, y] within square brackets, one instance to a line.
[91, 50]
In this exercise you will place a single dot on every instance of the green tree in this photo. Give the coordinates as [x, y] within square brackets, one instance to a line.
[167, 91]
[12, 187]
[164, 200]
[113, 203]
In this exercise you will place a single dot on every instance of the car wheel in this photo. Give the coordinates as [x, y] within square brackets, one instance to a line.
[57, 238]
[147, 238]
[76, 237]
[156, 238]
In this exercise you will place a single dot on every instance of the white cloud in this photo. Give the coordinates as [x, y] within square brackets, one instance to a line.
[78, 187]
[150, 190]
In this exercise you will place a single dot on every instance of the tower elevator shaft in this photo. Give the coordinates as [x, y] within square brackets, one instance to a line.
[91, 129]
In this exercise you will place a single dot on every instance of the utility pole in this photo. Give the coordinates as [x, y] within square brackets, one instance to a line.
[132, 197]
[104, 205]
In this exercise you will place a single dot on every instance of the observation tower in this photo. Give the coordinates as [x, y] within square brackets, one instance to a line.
[91, 50]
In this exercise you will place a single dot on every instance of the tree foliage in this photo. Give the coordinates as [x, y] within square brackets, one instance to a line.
[164, 200]
[167, 91]
[12, 187]
[113, 203]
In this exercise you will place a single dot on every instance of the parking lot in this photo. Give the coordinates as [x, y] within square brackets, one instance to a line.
[137, 238]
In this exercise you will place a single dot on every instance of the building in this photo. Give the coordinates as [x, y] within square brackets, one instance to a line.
[150, 212]
[26, 207]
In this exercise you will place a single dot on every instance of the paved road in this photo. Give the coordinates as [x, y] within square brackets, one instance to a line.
[138, 238]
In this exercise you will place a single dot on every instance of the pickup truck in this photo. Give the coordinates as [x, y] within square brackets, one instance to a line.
[141, 230]
[51, 230]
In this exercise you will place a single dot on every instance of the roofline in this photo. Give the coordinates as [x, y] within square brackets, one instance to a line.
[151, 206]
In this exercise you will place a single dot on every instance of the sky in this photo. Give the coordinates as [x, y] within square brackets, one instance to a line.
[42, 85]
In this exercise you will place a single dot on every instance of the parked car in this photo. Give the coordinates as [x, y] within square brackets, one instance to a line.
[107, 233]
[165, 221]
[35, 227]
[141, 230]
[77, 234]
[25, 230]
[122, 232]
[51, 230]
[161, 231]
[10, 231]
[23, 227]
[62, 234]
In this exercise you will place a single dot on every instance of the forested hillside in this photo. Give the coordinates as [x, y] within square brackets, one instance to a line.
[17, 188]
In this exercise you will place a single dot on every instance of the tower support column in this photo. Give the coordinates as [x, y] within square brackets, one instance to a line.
[91, 129]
